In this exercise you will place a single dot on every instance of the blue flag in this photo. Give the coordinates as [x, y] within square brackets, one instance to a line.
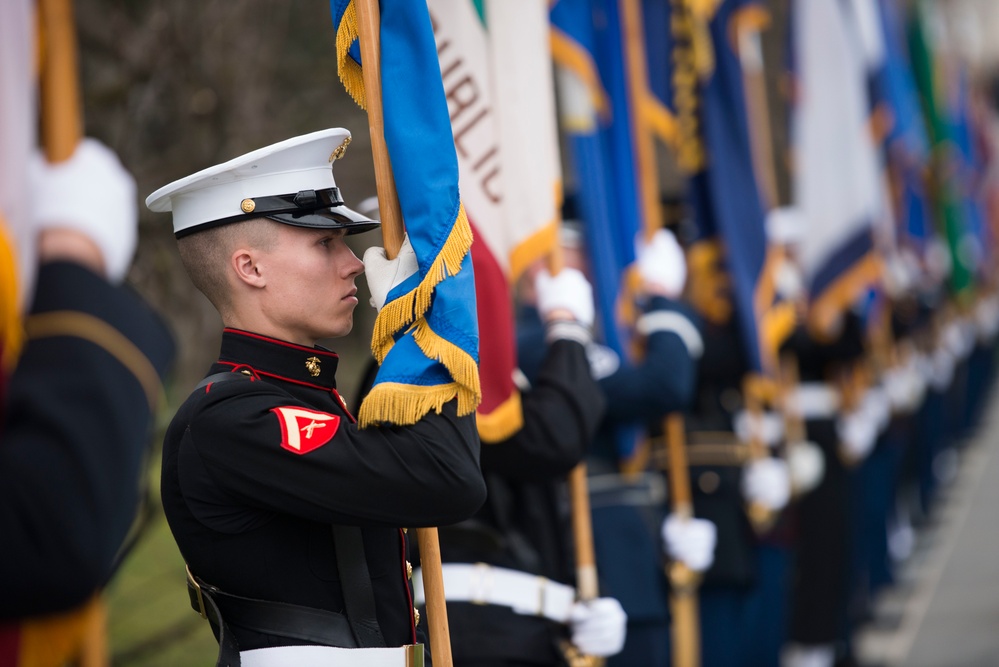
[725, 195]
[426, 335]
[586, 46]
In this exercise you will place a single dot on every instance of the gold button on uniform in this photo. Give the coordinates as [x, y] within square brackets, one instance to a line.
[409, 569]
[416, 616]
[709, 481]
[247, 205]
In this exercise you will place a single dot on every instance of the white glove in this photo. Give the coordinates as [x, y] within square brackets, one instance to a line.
[690, 541]
[942, 362]
[987, 319]
[790, 281]
[767, 481]
[858, 433]
[806, 464]
[569, 290]
[876, 405]
[385, 274]
[661, 264]
[767, 427]
[958, 339]
[905, 387]
[91, 193]
[598, 627]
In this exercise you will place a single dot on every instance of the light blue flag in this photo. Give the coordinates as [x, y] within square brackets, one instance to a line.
[426, 336]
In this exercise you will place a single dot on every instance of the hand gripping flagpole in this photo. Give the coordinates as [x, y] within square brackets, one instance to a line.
[587, 587]
[683, 581]
[393, 231]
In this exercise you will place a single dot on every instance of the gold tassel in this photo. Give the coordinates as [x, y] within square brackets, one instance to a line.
[404, 404]
[413, 305]
[11, 328]
[347, 67]
[459, 363]
[505, 420]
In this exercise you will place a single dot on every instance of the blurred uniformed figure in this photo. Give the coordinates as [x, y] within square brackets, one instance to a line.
[292, 520]
[77, 411]
[82, 357]
[634, 536]
[741, 598]
[509, 571]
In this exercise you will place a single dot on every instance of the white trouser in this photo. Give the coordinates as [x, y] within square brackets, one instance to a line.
[526, 594]
[331, 656]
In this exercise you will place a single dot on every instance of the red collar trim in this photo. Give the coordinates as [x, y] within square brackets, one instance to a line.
[273, 375]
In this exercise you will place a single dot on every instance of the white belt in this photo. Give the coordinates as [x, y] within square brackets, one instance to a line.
[526, 594]
[331, 656]
[815, 400]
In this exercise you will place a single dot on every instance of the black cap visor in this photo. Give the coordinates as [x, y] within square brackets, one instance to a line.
[314, 209]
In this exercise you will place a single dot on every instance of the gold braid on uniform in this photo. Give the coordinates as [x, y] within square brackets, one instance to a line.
[87, 327]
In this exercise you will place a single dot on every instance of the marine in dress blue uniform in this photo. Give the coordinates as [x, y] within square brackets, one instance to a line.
[293, 520]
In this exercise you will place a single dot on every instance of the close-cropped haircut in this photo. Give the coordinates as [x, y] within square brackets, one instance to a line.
[206, 255]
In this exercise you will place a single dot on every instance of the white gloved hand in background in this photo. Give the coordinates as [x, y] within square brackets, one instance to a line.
[690, 541]
[385, 274]
[661, 264]
[767, 427]
[569, 291]
[91, 193]
[858, 433]
[767, 481]
[806, 465]
[876, 404]
[598, 627]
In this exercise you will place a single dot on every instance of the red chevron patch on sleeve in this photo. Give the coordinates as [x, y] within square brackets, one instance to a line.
[304, 430]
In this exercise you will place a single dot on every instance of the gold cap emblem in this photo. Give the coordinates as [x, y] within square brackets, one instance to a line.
[312, 365]
[340, 150]
[247, 205]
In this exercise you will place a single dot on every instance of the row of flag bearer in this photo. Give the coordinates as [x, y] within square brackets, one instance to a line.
[668, 364]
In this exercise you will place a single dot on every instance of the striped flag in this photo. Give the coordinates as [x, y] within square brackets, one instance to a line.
[426, 335]
[837, 182]
[494, 62]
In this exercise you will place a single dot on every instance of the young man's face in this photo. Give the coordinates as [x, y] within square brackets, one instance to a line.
[310, 283]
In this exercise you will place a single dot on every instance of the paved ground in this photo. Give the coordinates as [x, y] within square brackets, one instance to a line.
[945, 610]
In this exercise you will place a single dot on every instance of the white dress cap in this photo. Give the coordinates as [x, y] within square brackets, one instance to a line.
[290, 182]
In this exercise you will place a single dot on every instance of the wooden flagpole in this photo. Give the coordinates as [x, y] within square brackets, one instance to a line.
[683, 581]
[61, 109]
[393, 231]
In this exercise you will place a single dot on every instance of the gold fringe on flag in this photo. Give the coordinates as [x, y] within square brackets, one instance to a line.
[459, 363]
[827, 307]
[347, 67]
[407, 403]
[413, 305]
[503, 422]
[11, 329]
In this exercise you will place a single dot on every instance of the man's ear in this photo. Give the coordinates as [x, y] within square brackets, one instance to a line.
[246, 264]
